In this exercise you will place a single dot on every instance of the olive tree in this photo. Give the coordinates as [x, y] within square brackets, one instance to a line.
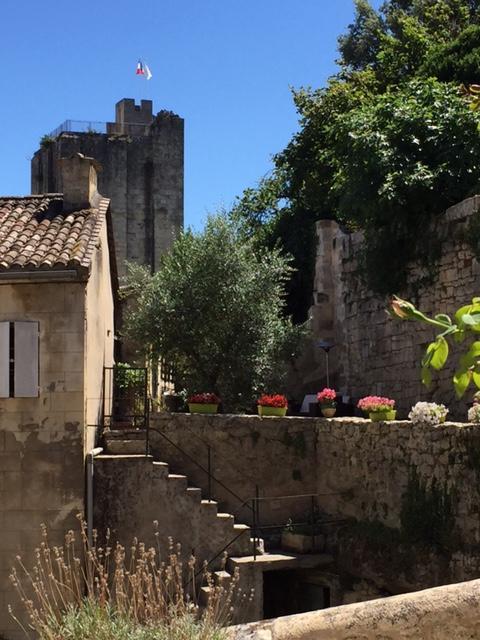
[214, 310]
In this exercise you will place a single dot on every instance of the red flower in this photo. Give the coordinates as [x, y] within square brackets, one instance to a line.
[204, 398]
[273, 401]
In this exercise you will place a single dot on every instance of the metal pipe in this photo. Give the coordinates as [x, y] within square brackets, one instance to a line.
[209, 467]
[90, 471]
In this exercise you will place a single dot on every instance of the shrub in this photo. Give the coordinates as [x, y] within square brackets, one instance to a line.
[105, 592]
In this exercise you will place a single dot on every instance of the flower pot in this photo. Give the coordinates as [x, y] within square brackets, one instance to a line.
[328, 412]
[271, 411]
[194, 407]
[381, 416]
[302, 543]
[172, 402]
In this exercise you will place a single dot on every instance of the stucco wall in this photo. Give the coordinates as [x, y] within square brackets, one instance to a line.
[41, 459]
[374, 354]
[99, 339]
[362, 470]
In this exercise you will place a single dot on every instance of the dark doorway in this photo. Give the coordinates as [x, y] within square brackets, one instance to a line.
[289, 592]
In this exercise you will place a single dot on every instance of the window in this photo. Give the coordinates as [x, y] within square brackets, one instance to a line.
[18, 359]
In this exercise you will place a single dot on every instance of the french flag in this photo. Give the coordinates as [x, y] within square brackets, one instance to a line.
[143, 70]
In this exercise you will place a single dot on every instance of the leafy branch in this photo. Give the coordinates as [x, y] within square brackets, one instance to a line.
[465, 324]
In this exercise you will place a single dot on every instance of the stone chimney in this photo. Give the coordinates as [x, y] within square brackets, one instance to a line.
[79, 182]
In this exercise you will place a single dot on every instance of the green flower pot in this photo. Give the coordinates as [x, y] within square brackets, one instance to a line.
[271, 411]
[195, 407]
[382, 416]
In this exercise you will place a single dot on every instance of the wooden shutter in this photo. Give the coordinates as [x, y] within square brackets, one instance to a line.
[4, 359]
[26, 360]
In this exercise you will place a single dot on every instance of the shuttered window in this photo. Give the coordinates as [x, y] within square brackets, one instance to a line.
[18, 359]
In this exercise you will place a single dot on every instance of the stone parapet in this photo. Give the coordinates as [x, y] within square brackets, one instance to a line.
[445, 613]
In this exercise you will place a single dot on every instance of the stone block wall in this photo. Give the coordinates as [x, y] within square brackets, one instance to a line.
[374, 354]
[142, 175]
[369, 472]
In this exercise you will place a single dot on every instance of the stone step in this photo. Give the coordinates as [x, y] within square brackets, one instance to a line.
[212, 505]
[225, 516]
[124, 442]
[195, 493]
[178, 481]
[203, 596]
[160, 470]
[222, 578]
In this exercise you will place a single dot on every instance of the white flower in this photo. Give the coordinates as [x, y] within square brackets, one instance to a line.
[429, 413]
[474, 413]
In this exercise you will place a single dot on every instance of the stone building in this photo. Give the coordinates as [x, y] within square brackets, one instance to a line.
[57, 288]
[142, 160]
[372, 353]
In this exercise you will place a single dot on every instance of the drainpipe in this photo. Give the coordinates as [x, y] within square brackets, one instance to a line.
[90, 458]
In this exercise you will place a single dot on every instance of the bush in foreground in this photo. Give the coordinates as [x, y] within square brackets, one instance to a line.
[90, 592]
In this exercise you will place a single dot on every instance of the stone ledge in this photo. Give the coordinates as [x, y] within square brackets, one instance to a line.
[451, 612]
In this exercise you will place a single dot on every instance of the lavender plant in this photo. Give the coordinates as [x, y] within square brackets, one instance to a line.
[91, 592]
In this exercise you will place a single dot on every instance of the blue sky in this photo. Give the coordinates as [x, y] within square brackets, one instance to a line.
[224, 65]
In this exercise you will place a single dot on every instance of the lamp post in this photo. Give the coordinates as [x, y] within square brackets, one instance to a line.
[326, 346]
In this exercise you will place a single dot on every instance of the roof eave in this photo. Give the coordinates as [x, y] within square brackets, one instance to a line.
[26, 276]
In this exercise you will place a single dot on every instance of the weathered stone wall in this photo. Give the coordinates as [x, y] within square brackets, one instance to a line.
[132, 492]
[142, 175]
[444, 613]
[383, 475]
[374, 354]
[41, 439]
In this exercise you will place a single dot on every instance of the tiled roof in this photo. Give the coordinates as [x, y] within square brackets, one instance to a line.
[35, 233]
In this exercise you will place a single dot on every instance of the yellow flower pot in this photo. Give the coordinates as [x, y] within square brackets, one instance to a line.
[195, 407]
[271, 411]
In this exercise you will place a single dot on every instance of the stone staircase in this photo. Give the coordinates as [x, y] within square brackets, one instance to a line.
[132, 490]
[187, 516]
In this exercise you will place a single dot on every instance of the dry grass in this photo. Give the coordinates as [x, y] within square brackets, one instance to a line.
[81, 591]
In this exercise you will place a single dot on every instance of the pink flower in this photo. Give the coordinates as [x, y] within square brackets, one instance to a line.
[370, 404]
[327, 396]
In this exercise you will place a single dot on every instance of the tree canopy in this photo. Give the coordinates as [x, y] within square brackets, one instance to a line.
[384, 147]
[214, 310]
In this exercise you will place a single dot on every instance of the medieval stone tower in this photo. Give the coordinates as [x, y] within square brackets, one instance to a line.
[142, 160]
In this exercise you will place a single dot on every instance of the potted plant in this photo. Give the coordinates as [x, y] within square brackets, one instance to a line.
[326, 399]
[275, 405]
[474, 413]
[302, 538]
[378, 408]
[173, 400]
[429, 413]
[203, 403]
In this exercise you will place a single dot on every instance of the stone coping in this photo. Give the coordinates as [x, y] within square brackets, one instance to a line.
[442, 613]
[350, 420]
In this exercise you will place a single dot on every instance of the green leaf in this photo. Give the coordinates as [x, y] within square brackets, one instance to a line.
[476, 379]
[459, 336]
[426, 376]
[472, 321]
[439, 353]
[461, 312]
[474, 350]
[461, 382]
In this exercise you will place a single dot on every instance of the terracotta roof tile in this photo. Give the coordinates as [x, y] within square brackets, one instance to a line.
[35, 233]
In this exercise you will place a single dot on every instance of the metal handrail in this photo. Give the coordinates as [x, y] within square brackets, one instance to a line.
[207, 470]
